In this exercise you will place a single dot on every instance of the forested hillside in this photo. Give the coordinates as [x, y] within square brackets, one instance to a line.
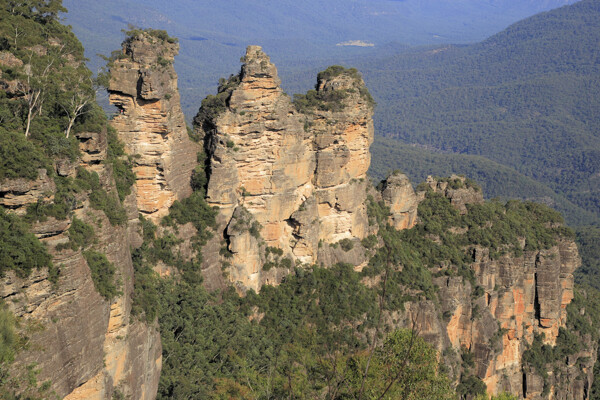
[127, 247]
[525, 98]
[295, 34]
[496, 179]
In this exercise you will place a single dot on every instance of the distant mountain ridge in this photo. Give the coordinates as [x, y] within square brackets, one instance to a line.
[525, 98]
[294, 33]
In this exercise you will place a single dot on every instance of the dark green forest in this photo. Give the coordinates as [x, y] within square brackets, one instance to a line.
[525, 98]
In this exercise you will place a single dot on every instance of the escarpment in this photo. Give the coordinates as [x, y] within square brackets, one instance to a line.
[150, 122]
[289, 180]
[299, 175]
[78, 337]
[488, 284]
[508, 303]
[84, 343]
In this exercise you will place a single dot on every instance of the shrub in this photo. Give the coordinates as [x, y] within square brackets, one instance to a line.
[19, 157]
[100, 199]
[212, 106]
[369, 242]
[193, 209]
[122, 171]
[346, 244]
[103, 274]
[471, 386]
[80, 235]
[20, 250]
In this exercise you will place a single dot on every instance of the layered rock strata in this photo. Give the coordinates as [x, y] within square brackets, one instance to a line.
[522, 296]
[398, 194]
[458, 189]
[150, 122]
[293, 179]
[85, 345]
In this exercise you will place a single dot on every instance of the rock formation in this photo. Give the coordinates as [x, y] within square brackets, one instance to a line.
[515, 298]
[289, 181]
[521, 296]
[398, 194]
[150, 122]
[301, 176]
[460, 190]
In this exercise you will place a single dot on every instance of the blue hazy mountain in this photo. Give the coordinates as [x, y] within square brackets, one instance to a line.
[213, 35]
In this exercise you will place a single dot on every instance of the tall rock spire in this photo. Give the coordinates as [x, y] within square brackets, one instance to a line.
[150, 122]
[284, 176]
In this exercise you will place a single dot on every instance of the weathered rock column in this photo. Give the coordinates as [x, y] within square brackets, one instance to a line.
[150, 122]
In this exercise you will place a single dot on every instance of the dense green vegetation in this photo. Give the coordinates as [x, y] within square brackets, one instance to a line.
[331, 100]
[497, 180]
[48, 98]
[524, 98]
[121, 165]
[213, 105]
[315, 332]
[297, 339]
[588, 239]
[67, 196]
[321, 332]
[542, 358]
[20, 250]
[21, 382]
[81, 235]
[103, 274]
[297, 35]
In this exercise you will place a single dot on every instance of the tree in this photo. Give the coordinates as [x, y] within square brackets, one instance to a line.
[405, 367]
[42, 11]
[37, 73]
[77, 95]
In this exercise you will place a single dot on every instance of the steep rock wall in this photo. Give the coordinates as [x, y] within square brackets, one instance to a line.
[398, 194]
[514, 299]
[85, 345]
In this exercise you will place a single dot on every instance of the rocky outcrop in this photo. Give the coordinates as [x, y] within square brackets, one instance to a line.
[460, 190]
[300, 176]
[512, 299]
[398, 194]
[17, 194]
[521, 296]
[150, 122]
[343, 132]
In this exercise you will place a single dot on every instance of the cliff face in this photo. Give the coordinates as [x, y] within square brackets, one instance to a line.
[300, 176]
[85, 345]
[150, 122]
[522, 296]
[398, 194]
[515, 299]
[289, 181]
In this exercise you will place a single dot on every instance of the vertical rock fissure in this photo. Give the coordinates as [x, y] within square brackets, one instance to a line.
[536, 300]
